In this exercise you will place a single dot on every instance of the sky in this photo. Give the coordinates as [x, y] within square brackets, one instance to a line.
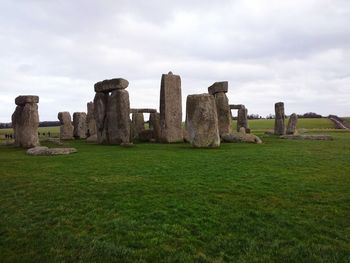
[295, 51]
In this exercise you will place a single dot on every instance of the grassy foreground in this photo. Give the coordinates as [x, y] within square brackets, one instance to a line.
[283, 201]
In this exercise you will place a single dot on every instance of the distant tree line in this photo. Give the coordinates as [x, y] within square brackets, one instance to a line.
[41, 124]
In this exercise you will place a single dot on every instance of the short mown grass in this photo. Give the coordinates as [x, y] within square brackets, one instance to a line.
[282, 201]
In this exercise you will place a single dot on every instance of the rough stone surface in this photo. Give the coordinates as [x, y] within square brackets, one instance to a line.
[242, 119]
[42, 150]
[292, 124]
[25, 123]
[138, 124]
[109, 85]
[308, 137]
[241, 136]
[154, 125]
[170, 108]
[224, 113]
[118, 120]
[279, 119]
[92, 138]
[90, 120]
[218, 87]
[143, 110]
[146, 136]
[236, 106]
[79, 124]
[202, 121]
[100, 113]
[22, 100]
[66, 128]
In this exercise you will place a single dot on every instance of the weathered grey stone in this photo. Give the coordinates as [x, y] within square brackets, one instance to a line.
[170, 108]
[292, 124]
[109, 85]
[242, 119]
[236, 106]
[118, 119]
[138, 124]
[21, 100]
[66, 128]
[143, 110]
[90, 120]
[154, 125]
[145, 136]
[92, 138]
[279, 119]
[25, 123]
[241, 137]
[79, 124]
[224, 113]
[42, 150]
[100, 113]
[202, 121]
[185, 135]
[218, 87]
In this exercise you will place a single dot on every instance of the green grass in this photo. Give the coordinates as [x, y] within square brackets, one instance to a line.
[282, 201]
[264, 124]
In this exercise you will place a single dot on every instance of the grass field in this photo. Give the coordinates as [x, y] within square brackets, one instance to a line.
[282, 201]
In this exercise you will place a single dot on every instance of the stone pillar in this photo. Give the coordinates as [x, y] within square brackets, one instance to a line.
[170, 108]
[90, 120]
[279, 119]
[25, 121]
[100, 113]
[292, 124]
[219, 90]
[138, 124]
[79, 124]
[111, 111]
[202, 121]
[242, 118]
[66, 128]
[154, 125]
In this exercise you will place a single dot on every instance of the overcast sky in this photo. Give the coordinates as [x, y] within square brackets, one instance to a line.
[269, 50]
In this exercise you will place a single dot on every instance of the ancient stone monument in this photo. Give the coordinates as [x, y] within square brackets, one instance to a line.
[111, 111]
[202, 121]
[90, 120]
[79, 124]
[279, 119]
[25, 121]
[292, 124]
[138, 124]
[154, 125]
[66, 128]
[242, 116]
[219, 90]
[170, 108]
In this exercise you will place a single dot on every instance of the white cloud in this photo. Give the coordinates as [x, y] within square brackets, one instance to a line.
[292, 51]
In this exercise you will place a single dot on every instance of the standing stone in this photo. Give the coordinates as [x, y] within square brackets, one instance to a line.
[90, 120]
[154, 125]
[292, 124]
[118, 120]
[25, 121]
[100, 113]
[279, 119]
[218, 87]
[79, 124]
[66, 128]
[224, 113]
[242, 118]
[202, 121]
[138, 124]
[170, 108]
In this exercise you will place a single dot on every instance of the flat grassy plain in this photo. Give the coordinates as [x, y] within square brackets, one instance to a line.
[282, 201]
